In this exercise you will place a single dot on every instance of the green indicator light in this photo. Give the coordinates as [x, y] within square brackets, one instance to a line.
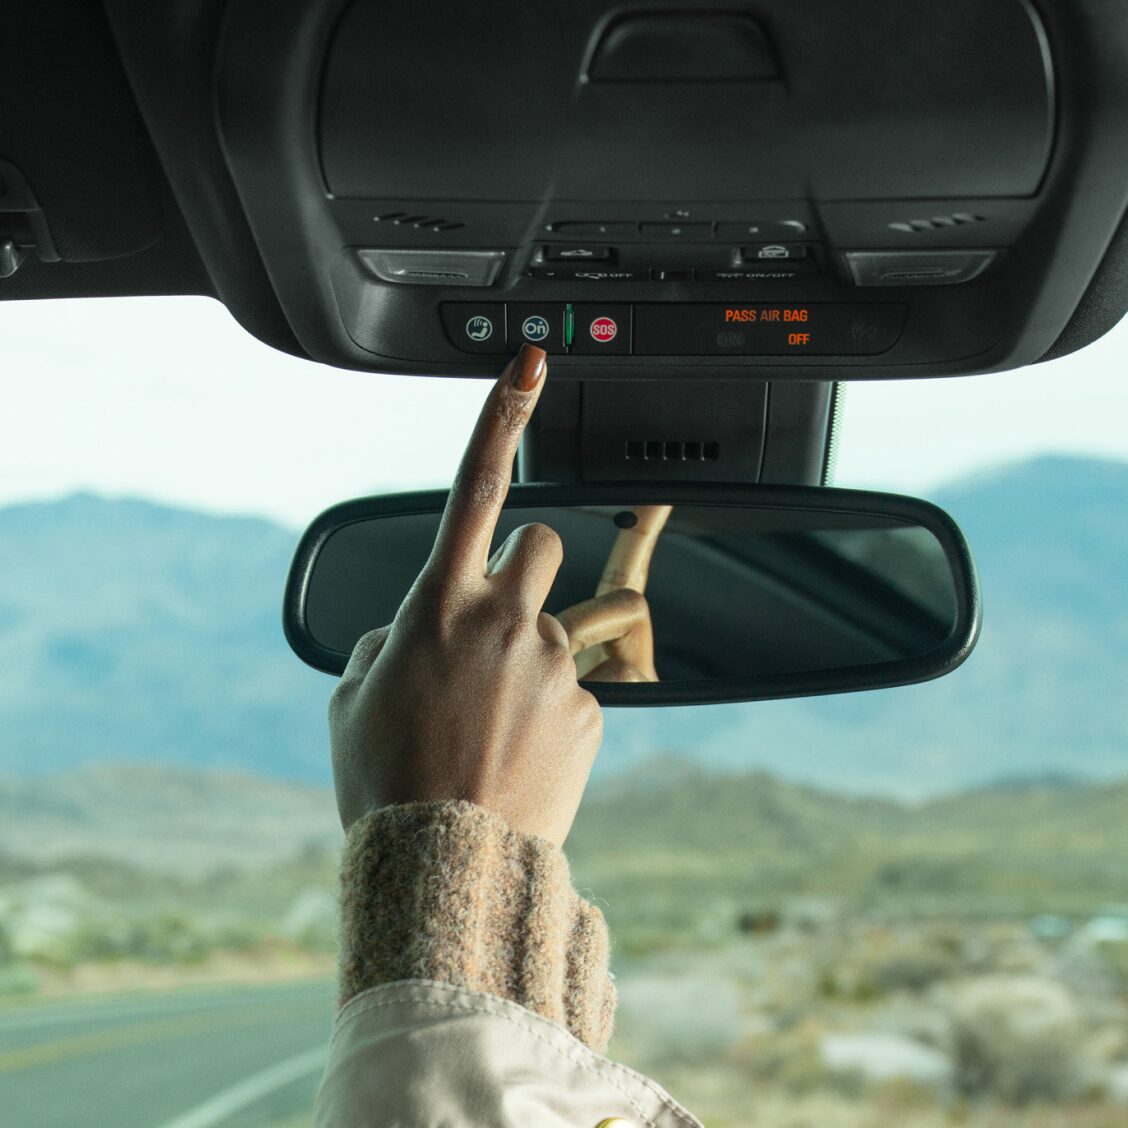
[569, 326]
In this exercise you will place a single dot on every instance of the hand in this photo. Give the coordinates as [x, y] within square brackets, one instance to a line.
[471, 691]
[611, 636]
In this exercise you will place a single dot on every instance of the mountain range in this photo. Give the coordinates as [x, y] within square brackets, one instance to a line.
[654, 861]
[136, 632]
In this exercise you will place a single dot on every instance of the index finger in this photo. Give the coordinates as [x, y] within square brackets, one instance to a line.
[463, 542]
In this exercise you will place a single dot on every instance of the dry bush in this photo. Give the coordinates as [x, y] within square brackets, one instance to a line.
[680, 1019]
[1017, 1039]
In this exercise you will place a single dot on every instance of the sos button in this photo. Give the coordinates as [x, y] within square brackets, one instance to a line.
[602, 330]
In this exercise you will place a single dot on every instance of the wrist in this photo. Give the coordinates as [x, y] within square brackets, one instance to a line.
[448, 891]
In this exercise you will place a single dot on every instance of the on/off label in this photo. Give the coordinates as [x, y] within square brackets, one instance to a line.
[604, 330]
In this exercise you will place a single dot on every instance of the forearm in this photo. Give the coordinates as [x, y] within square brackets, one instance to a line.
[448, 892]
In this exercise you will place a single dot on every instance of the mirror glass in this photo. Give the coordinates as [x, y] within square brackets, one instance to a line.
[730, 591]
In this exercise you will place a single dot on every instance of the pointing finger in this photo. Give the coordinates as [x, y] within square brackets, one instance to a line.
[483, 478]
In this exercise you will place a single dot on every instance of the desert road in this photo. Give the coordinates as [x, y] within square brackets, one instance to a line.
[230, 1057]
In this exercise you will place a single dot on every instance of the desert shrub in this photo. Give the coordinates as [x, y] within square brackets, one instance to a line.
[910, 970]
[760, 922]
[166, 937]
[791, 1061]
[681, 1019]
[1017, 1039]
[1114, 954]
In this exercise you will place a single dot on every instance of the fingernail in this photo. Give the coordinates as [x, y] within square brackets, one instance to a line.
[528, 368]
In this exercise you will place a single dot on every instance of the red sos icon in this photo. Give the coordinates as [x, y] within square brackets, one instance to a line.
[603, 330]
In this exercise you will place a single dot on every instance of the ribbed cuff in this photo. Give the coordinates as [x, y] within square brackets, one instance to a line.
[449, 892]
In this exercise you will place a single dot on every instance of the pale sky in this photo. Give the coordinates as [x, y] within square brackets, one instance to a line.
[169, 399]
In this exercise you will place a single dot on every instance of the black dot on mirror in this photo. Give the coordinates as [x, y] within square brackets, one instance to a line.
[627, 519]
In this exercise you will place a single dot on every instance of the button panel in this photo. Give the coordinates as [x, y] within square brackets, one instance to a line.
[732, 328]
[687, 229]
[671, 261]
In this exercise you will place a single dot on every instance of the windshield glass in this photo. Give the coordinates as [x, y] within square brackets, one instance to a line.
[898, 907]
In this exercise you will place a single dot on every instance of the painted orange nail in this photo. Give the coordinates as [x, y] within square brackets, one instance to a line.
[528, 367]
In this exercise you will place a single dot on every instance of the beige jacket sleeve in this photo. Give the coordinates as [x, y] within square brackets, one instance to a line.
[474, 985]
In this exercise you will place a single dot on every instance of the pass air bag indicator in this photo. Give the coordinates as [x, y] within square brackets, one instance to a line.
[766, 328]
[768, 314]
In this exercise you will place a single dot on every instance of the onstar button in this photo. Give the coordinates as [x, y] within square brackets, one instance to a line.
[602, 330]
[475, 326]
[539, 323]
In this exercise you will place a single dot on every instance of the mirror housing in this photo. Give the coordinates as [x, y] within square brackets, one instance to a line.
[342, 584]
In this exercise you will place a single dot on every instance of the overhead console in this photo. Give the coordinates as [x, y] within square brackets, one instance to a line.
[821, 190]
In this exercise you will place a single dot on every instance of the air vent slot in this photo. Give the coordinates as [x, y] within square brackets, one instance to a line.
[671, 450]
[419, 222]
[936, 222]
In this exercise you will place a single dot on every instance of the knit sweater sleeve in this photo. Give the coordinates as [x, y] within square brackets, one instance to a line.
[449, 892]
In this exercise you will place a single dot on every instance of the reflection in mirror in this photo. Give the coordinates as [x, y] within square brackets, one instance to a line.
[727, 591]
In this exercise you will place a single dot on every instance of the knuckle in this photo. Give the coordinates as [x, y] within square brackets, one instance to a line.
[542, 539]
[483, 484]
[370, 641]
[560, 663]
[590, 713]
[339, 699]
[633, 602]
[513, 412]
[554, 633]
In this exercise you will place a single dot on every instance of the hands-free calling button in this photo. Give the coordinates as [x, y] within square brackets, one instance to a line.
[479, 328]
[475, 326]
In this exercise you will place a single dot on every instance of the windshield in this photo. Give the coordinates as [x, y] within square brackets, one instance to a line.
[898, 907]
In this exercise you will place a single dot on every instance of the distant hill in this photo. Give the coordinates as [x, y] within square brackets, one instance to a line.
[135, 632]
[658, 852]
[182, 821]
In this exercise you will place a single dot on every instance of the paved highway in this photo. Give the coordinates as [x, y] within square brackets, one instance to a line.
[240, 1057]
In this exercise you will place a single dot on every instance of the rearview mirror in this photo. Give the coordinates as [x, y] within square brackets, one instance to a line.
[751, 592]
